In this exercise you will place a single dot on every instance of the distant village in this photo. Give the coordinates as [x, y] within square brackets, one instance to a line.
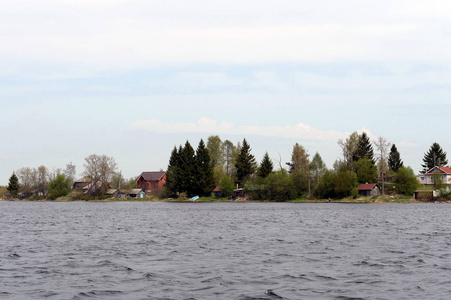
[222, 169]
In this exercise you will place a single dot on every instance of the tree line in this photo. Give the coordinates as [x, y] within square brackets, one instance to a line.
[45, 183]
[363, 161]
[227, 165]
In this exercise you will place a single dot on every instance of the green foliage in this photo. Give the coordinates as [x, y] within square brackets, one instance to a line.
[59, 187]
[277, 186]
[203, 179]
[406, 181]
[299, 160]
[300, 183]
[266, 166]
[216, 150]
[443, 190]
[280, 187]
[366, 170]
[3, 191]
[394, 159]
[172, 173]
[364, 148]
[190, 172]
[434, 157]
[226, 185]
[13, 185]
[117, 180]
[245, 164]
[186, 171]
[229, 157]
[349, 148]
[326, 185]
[345, 183]
[317, 167]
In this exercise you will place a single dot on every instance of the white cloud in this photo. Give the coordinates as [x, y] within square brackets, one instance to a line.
[208, 126]
[124, 34]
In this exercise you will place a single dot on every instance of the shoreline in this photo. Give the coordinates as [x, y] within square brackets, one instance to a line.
[200, 200]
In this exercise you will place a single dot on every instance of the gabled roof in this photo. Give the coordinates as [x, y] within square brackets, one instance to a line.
[445, 170]
[366, 186]
[85, 179]
[136, 191]
[152, 176]
[112, 191]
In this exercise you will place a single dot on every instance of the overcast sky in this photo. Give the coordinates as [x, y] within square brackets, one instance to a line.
[132, 79]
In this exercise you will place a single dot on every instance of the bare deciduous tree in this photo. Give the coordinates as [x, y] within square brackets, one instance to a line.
[349, 147]
[100, 168]
[70, 171]
[382, 146]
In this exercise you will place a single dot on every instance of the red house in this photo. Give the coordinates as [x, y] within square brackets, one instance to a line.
[151, 182]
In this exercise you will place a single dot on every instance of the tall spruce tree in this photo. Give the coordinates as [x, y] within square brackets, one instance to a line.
[13, 185]
[172, 173]
[434, 157]
[364, 148]
[186, 172]
[266, 166]
[203, 179]
[394, 159]
[245, 164]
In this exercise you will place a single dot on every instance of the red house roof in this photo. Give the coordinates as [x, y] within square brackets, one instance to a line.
[445, 170]
[152, 176]
[366, 186]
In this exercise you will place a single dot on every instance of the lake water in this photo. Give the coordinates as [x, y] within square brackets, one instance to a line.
[147, 250]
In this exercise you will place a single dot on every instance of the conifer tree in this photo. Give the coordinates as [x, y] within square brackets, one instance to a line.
[266, 166]
[186, 172]
[245, 163]
[364, 148]
[13, 185]
[172, 173]
[434, 157]
[203, 179]
[394, 159]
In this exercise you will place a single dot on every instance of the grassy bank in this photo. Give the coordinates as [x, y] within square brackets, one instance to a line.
[374, 199]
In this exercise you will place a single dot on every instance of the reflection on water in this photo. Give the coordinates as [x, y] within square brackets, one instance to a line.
[140, 250]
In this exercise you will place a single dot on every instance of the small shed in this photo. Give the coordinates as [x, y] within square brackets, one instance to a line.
[217, 192]
[369, 189]
[238, 193]
[137, 193]
[115, 193]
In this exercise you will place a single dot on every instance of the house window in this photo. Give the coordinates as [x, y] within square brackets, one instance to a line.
[422, 178]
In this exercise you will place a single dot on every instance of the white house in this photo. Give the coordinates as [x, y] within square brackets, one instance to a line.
[444, 174]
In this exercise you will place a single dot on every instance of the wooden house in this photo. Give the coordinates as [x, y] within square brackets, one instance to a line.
[369, 189]
[81, 183]
[437, 172]
[151, 182]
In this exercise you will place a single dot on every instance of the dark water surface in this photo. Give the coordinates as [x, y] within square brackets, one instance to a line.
[144, 250]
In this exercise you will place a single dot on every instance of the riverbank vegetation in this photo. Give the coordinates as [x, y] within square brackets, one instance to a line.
[229, 167]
